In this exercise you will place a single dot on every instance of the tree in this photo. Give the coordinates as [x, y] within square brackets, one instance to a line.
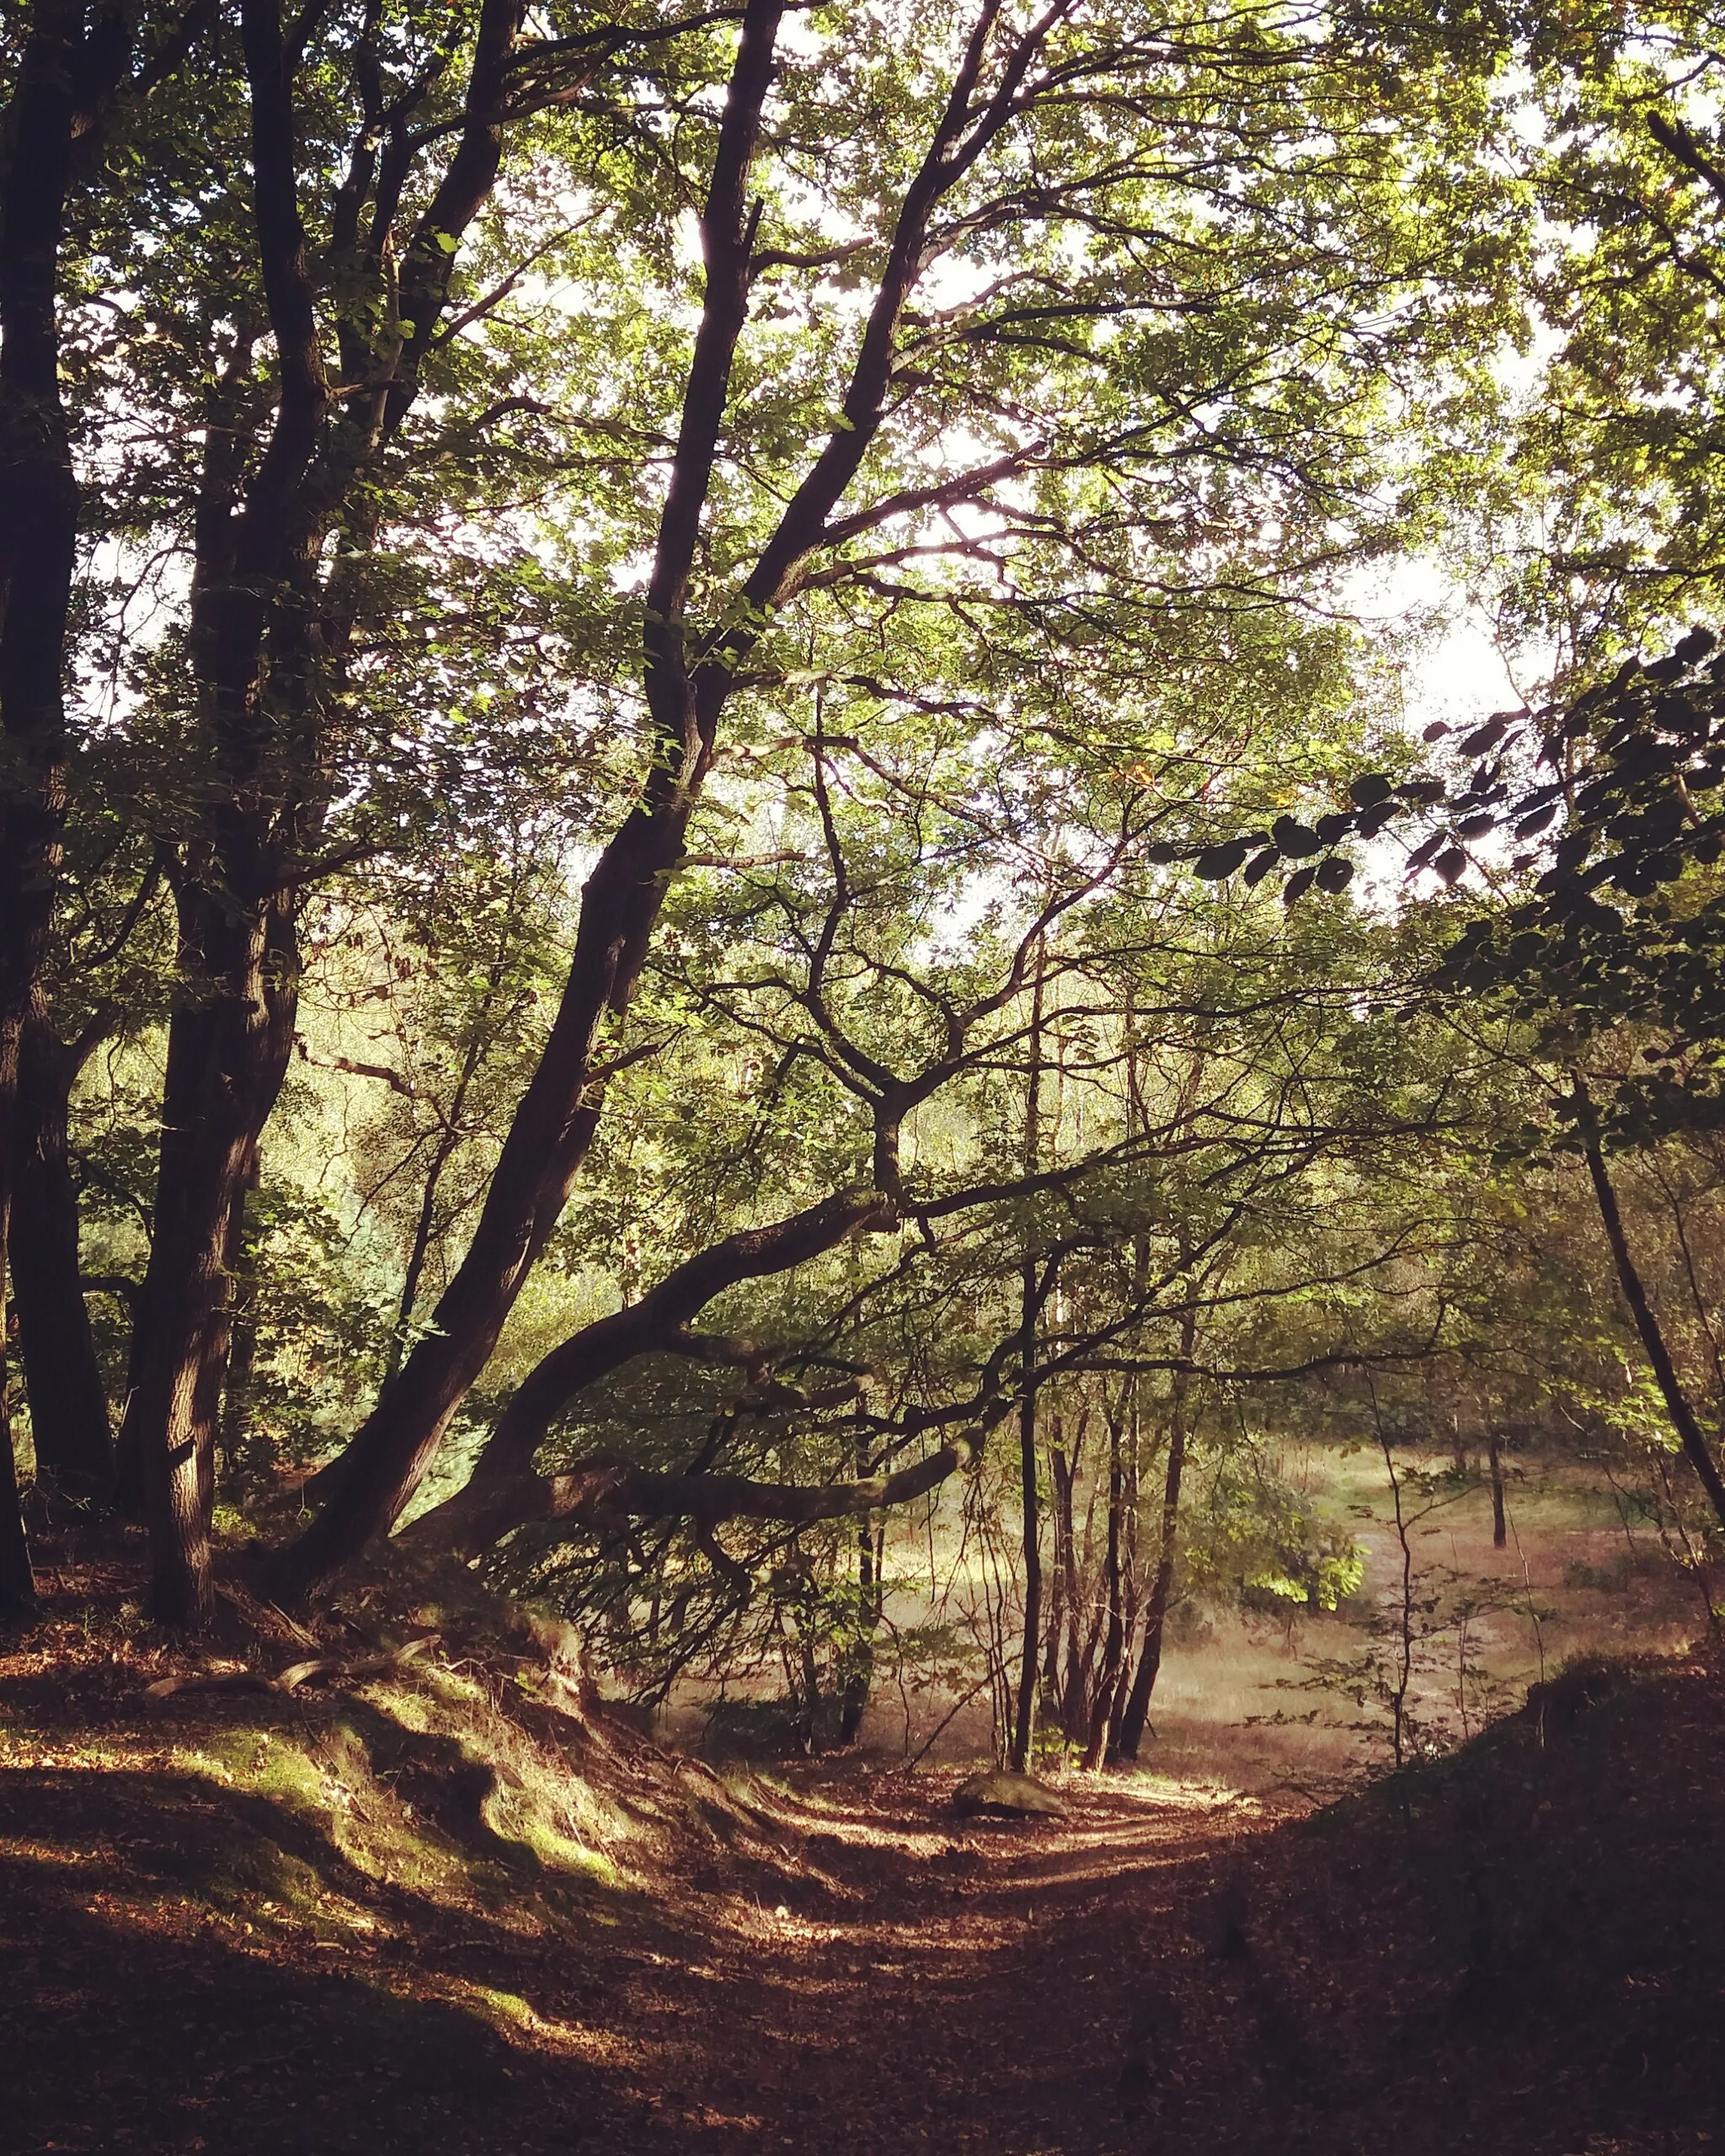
[1086, 370]
[1009, 90]
[70, 65]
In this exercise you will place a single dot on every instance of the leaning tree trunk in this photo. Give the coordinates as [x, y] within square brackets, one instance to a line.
[63, 1377]
[1689, 1434]
[687, 680]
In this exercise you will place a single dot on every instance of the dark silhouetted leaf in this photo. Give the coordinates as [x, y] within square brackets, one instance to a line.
[1216, 861]
[1475, 827]
[1336, 875]
[1256, 870]
[1451, 865]
[1331, 828]
[1369, 788]
[1297, 885]
[1529, 827]
[1485, 737]
[1436, 731]
[1293, 839]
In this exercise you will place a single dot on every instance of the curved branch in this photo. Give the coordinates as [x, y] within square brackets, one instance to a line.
[503, 1489]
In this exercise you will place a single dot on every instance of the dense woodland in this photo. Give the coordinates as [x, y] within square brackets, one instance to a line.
[723, 882]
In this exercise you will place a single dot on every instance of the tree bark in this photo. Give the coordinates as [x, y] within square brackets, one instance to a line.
[228, 1054]
[1695, 1445]
[61, 72]
[1136, 1714]
[265, 639]
[1024, 1727]
[1500, 1526]
[62, 1378]
[1105, 1700]
[241, 1263]
[1061, 1473]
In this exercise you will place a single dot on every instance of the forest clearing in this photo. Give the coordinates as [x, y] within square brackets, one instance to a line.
[862, 1075]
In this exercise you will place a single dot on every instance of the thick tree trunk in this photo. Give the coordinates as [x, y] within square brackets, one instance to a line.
[62, 1378]
[228, 1054]
[58, 71]
[554, 1127]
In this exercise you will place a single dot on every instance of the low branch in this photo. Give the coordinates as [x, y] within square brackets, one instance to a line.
[503, 1491]
[606, 1493]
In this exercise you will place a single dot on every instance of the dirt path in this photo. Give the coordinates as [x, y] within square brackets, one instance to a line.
[852, 1971]
[920, 1983]
[297, 1926]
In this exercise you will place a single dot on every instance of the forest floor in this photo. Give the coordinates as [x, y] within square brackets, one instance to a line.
[447, 1907]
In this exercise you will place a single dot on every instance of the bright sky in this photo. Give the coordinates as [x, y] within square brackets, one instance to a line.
[1456, 670]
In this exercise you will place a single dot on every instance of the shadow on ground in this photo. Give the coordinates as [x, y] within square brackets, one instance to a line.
[150, 2002]
[1518, 1951]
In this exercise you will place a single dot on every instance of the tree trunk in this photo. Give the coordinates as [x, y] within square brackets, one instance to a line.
[687, 682]
[38, 545]
[1500, 1526]
[242, 1328]
[1683, 1419]
[871, 1589]
[859, 1680]
[62, 1378]
[1055, 1624]
[1074, 1694]
[1136, 1712]
[226, 1056]
[1024, 1726]
[60, 78]
[1105, 1700]
[504, 1492]
[17, 1585]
